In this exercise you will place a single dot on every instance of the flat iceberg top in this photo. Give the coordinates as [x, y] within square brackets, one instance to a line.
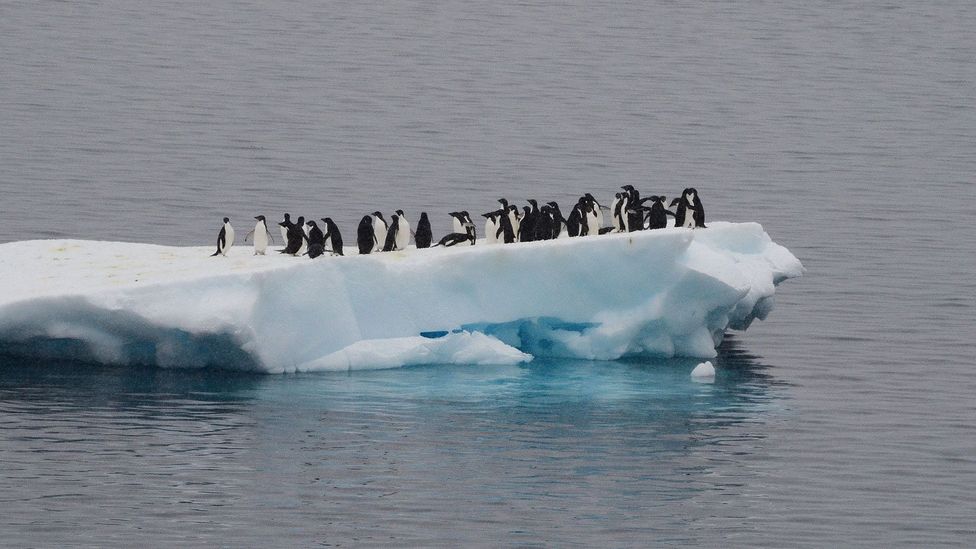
[664, 292]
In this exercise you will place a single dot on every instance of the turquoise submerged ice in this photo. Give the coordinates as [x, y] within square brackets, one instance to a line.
[669, 292]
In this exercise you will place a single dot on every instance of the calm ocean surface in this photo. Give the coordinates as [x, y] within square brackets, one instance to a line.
[848, 130]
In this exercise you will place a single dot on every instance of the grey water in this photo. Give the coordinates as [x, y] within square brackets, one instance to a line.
[847, 129]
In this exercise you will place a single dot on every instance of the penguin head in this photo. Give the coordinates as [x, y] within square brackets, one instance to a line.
[287, 217]
[301, 220]
[423, 215]
[535, 204]
[627, 187]
[226, 220]
[327, 220]
[259, 217]
[675, 202]
[399, 213]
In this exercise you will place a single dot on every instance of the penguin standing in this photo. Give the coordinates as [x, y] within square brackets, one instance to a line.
[505, 228]
[469, 226]
[491, 227]
[332, 235]
[657, 216]
[316, 240]
[261, 235]
[403, 232]
[457, 222]
[225, 238]
[365, 237]
[424, 234]
[284, 225]
[392, 232]
[558, 225]
[295, 238]
[379, 231]
[597, 226]
[543, 223]
[303, 244]
[526, 230]
[695, 205]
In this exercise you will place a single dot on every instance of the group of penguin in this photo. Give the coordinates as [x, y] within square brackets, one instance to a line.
[628, 212]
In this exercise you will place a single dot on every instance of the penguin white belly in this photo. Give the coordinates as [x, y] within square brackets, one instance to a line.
[458, 227]
[599, 220]
[284, 235]
[228, 238]
[403, 234]
[490, 229]
[592, 223]
[379, 230]
[260, 238]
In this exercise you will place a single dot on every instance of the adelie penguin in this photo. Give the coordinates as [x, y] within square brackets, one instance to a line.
[657, 214]
[403, 232]
[379, 231]
[225, 239]
[295, 238]
[332, 235]
[424, 236]
[284, 225]
[261, 236]
[689, 201]
[453, 239]
[316, 240]
[365, 237]
[390, 244]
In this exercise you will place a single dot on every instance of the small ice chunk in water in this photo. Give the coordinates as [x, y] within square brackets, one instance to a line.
[704, 373]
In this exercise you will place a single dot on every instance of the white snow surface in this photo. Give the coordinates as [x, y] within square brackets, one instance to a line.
[667, 292]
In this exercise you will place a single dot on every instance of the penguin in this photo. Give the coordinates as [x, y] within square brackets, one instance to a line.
[379, 231]
[635, 216]
[332, 235]
[505, 229]
[597, 226]
[283, 225]
[453, 239]
[698, 211]
[516, 218]
[424, 235]
[614, 211]
[558, 222]
[526, 230]
[575, 220]
[316, 240]
[465, 225]
[261, 235]
[403, 232]
[491, 227]
[225, 239]
[688, 201]
[657, 217]
[390, 244]
[294, 238]
[620, 213]
[543, 223]
[457, 222]
[303, 236]
[365, 237]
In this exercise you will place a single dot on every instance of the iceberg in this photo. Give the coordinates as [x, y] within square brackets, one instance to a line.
[667, 292]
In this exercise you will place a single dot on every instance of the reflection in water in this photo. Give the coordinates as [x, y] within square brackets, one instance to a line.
[553, 450]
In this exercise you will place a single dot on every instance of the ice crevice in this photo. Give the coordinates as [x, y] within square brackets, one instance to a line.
[668, 292]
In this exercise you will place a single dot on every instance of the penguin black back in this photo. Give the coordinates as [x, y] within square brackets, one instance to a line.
[316, 240]
[365, 235]
[423, 235]
[391, 234]
[657, 217]
[332, 235]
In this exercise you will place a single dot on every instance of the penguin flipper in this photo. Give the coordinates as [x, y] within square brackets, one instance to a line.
[248, 235]
[270, 237]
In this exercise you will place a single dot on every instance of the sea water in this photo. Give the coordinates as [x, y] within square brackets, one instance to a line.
[845, 419]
